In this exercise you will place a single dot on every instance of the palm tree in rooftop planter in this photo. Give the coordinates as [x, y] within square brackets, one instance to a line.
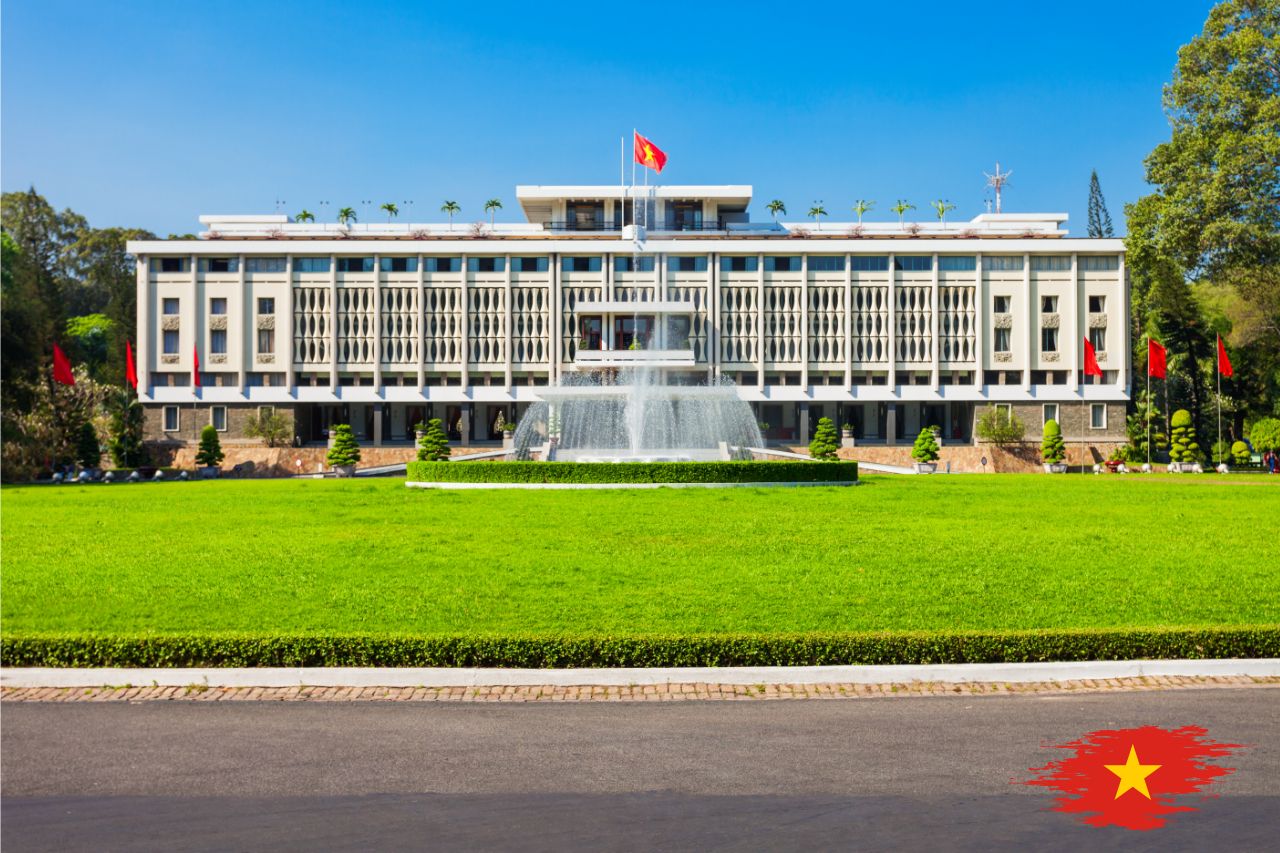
[775, 207]
[392, 210]
[490, 206]
[345, 452]
[901, 208]
[925, 452]
[861, 206]
[346, 216]
[817, 212]
[305, 216]
[942, 207]
[451, 208]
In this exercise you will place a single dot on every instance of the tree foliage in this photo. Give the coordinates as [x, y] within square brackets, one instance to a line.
[209, 453]
[45, 432]
[1099, 217]
[272, 427]
[1264, 434]
[1000, 426]
[126, 430]
[1052, 448]
[826, 441]
[925, 448]
[433, 446]
[1184, 447]
[345, 450]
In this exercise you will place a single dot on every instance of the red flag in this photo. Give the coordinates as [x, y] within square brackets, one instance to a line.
[1090, 360]
[62, 367]
[130, 368]
[1224, 363]
[1156, 363]
[648, 154]
[195, 374]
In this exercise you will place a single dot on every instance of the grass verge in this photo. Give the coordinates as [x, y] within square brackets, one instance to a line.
[633, 472]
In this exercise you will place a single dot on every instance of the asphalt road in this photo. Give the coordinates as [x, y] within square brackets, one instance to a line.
[921, 773]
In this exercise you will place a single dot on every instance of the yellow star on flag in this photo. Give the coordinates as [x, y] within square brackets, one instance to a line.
[1133, 774]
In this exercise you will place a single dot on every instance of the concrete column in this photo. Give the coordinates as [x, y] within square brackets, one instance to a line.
[192, 317]
[981, 316]
[377, 424]
[802, 428]
[422, 323]
[246, 304]
[555, 348]
[892, 381]
[377, 325]
[465, 325]
[506, 322]
[891, 424]
[713, 326]
[285, 346]
[1125, 378]
[804, 325]
[934, 348]
[144, 333]
[1074, 329]
[848, 324]
[333, 324]
[465, 417]
[1031, 318]
[760, 320]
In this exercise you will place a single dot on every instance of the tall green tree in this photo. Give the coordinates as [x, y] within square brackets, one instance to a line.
[1099, 217]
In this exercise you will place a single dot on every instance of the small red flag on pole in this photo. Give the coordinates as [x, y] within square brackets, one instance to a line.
[1224, 363]
[1157, 365]
[62, 367]
[1091, 367]
[195, 373]
[130, 367]
[648, 154]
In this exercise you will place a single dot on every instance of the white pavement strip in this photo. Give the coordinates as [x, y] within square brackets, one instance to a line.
[484, 677]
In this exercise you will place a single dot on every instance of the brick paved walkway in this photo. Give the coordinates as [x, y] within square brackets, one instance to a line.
[634, 693]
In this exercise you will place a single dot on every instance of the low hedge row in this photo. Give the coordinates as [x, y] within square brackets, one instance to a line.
[545, 652]
[632, 472]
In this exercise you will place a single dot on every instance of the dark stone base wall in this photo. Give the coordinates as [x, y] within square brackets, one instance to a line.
[192, 419]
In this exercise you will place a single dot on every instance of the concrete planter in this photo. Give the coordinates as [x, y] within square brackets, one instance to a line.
[345, 470]
[1055, 467]
[1184, 468]
[846, 438]
[926, 467]
[508, 439]
[210, 472]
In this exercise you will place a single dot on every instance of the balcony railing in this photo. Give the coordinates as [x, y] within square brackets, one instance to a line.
[575, 225]
[629, 357]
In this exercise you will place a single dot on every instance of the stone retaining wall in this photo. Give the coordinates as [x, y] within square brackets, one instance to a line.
[967, 458]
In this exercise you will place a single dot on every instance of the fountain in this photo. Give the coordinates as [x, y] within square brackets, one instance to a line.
[631, 415]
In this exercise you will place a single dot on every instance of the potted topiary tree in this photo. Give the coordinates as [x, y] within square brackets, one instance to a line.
[433, 444]
[1053, 449]
[345, 452]
[1184, 451]
[825, 445]
[925, 452]
[209, 455]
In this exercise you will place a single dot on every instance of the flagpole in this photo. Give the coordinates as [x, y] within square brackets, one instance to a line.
[634, 218]
[1219, 372]
[1148, 402]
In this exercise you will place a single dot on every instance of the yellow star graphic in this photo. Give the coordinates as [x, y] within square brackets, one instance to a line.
[648, 154]
[1133, 774]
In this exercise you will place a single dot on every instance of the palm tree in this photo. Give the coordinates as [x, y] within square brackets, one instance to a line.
[901, 208]
[775, 207]
[817, 212]
[450, 207]
[391, 209]
[942, 207]
[490, 206]
[861, 206]
[305, 216]
[347, 215]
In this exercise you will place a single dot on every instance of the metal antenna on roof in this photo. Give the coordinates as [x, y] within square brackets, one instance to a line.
[280, 202]
[997, 182]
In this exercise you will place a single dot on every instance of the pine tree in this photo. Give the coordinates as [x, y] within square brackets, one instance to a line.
[434, 444]
[1053, 449]
[345, 450]
[825, 441]
[125, 446]
[1099, 218]
[210, 452]
[88, 451]
[925, 448]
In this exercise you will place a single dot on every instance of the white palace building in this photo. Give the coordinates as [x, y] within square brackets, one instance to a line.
[888, 327]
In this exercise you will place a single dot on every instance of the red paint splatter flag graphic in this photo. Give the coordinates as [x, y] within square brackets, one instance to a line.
[1132, 777]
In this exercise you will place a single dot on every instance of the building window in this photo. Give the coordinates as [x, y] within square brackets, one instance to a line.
[218, 418]
[310, 264]
[1098, 415]
[486, 264]
[687, 263]
[529, 264]
[1098, 337]
[1000, 304]
[170, 342]
[591, 264]
[266, 305]
[218, 342]
[1049, 304]
[266, 341]
[442, 264]
[1048, 340]
[170, 306]
[1050, 263]
[1002, 340]
[218, 305]
[172, 421]
[1097, 304]
[264, 265]
[266, 412]
[826, 263]
[1002, 263]
[869, 264]
[219, 264]
[913, 263]
[739, 263]
[399, 264]
[1099, 263]
[633, 264]
[782, 263]
[957, 263]
[169, 264]
[1005, 410]
[1051, 413]
[355, 264]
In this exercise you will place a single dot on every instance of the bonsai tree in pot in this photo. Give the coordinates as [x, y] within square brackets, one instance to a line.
[433, 446]
[345, 452]
[825, 443]
[209, 455]
[1053, 449]
[1184, 451]
[925, 452]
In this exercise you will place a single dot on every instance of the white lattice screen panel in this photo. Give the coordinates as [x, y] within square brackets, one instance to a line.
[697, 319]
[311, 318]
[739, 312]
[399, 332]
[914, 311]
[635, 292]
[355, 325]
[442, 325]
[826, 324]
[487, 331]
[531, 325]
[956, 323]
[870, 317]
[782, 329]
[569, 298]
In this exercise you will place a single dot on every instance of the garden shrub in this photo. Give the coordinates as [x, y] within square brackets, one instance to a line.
[825, 441]
[1265, 434]
[1184, 447]
[1240, 453]
[1000, 428]
[433, 446]
[273, 428]
[926, 447]
[632, 472]
[88, 451]
[125, 432]
[345, 450]
[1221, 451]
[1052, 448]
[210, 452]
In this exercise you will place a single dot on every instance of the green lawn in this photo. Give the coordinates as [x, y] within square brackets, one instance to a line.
[959, 553]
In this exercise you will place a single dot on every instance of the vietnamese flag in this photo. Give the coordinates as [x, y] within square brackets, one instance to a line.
[62, 367]
[1224, 363]
[648, 154]
[1156, 362]
[130, 367]
[1090, 360]
[195, 374]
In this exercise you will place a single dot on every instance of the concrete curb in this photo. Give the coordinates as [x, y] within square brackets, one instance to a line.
[474, 677]
[415, 484]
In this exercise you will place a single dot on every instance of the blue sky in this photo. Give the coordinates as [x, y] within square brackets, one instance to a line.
[149, 114]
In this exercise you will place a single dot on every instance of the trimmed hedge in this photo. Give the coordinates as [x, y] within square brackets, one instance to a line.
[632, 472]
[70, 650]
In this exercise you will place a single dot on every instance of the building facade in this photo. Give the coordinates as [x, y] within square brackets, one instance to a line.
[887, 327]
